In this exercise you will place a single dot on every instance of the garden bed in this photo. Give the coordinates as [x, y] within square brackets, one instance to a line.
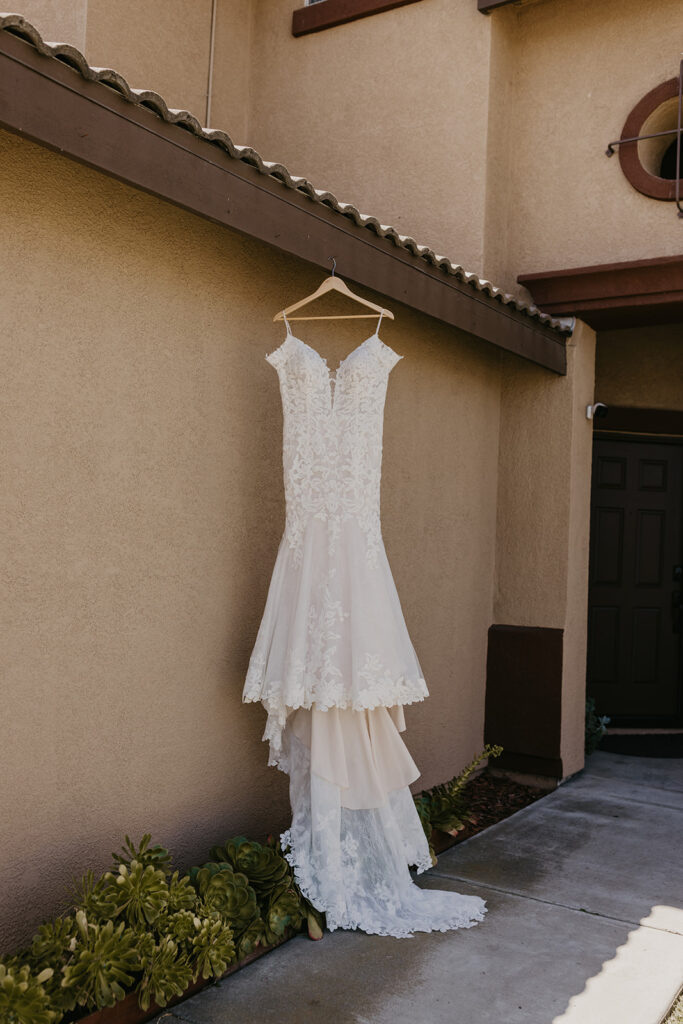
[128, 1011]
[489, 799]
[143, 937]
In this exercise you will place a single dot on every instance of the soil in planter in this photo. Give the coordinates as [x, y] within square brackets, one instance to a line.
[488, 799]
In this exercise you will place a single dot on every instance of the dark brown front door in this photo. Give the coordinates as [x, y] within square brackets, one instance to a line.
[634, 597]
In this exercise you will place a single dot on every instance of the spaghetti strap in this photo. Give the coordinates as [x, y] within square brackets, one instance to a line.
[379, 324]
[284, 317]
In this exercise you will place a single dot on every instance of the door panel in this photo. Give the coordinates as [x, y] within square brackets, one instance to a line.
[634, 597]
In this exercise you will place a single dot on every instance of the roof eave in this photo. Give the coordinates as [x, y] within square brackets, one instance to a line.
[92, 116]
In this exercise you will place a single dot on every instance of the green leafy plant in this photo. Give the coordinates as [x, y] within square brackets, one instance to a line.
[166, 973]
[264, 866]
[158, 856]
[444, 807]
[138, 893]
[596, 726]
[53, 946]
[140, 928]
[228, 892]
[315, 920]
[104, 965]
[23, 999]
[213, 948]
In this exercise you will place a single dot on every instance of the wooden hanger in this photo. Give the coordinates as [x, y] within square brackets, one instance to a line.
[333, 283]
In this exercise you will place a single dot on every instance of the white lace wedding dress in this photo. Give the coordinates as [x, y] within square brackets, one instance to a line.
[333, 663]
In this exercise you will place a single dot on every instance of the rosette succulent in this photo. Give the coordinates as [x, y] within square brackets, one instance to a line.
[229, 893]
[95, 897]
[264, 866]
[166, 973]
[104, 964]
[212, 949]
[445, 806]
[139, 893]
[315, 920]
[203, 935]
[23, 999]
[284, 911]
[181, 894]
[158, 856]
[53, 946]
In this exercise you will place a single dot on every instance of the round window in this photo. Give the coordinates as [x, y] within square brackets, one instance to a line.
[650, 164]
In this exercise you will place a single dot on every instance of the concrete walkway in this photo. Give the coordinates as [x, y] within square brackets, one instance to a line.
[584, 926]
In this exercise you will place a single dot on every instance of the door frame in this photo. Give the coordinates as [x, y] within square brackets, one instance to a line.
[632, 426]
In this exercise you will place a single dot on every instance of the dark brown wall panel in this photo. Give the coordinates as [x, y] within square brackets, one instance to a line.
[524, 697]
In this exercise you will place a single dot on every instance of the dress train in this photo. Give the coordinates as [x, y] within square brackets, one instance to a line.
[355, 829]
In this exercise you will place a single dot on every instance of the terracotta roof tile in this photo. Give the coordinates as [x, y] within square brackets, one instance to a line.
[68, 54]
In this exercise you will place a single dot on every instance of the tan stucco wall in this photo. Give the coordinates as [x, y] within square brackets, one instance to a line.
[143, 503]
[57, 21]
[640, 366]
[481, 136]
[161, 45]
[566, 73]
[543, 514]
[388, 112]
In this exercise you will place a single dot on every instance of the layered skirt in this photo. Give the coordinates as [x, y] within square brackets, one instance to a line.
[333, 665]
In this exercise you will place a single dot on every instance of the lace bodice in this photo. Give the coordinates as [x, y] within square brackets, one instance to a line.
[333, 632]
[332, 438]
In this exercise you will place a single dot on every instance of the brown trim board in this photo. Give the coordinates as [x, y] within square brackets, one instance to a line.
[486, 6]
[524, 697]
[628, 294]
[668, 422]
[328, 13]
[49, 102]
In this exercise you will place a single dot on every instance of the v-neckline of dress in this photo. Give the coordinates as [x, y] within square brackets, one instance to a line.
[323, 360]
[332, 381]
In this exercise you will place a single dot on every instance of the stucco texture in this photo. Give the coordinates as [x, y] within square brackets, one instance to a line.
[565, 76]
[641, 367]
[143, 502]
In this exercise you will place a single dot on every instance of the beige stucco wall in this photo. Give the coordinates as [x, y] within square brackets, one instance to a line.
[388, 112]
[481, 136]
[143, 502]
[56, 20]
[566, 73]
[640, 366]
[543, 514]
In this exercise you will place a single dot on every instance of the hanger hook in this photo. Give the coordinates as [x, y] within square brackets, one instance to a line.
[334, 264]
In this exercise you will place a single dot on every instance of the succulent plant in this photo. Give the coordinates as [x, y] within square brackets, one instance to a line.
[229, 893]
[53, 943]
[104, 964]
[95, 898]
[315, 920]
[213, 948]
[23, 999]
[53, 946]
[445, 812]
[444, 807]
[250, 939]
[264, 866]
[166, 973]
[284, 911]
[139, 893]
[158, 856]
[181, 926]
[181, 894]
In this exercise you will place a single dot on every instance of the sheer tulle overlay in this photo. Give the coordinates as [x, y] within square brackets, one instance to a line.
[333, 663]
[353, 861]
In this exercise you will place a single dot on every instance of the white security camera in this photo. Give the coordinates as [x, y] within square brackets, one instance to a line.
[597, 411]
